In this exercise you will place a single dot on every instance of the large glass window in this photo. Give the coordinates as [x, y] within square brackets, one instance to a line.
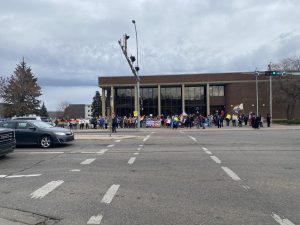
[216, 91]
[124, 99]
[149, 101]
[171, 102]
[195, 99]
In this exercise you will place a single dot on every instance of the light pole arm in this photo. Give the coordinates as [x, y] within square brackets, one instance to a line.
[130, 64]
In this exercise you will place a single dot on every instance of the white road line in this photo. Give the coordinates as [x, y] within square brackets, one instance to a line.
[140, 145]
[131, 160]
[102, 151]
[117, 141]
[281, 221]
[216, 159]
[2, 176]
[230, 173]
[146, 138]
[44, 152]
[75, 170]
[194, 139]
[246, 187]
[46, 189]
[87, 161]
[29, 175]
[139, 149]
[85, 152]
[95, 219]
[107, 198]
[208, 152]
[109, 146]
[136, 153]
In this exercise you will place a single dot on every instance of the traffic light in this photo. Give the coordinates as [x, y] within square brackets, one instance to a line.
[271, 73]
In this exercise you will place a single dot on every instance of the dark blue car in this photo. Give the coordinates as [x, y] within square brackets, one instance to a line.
[35, 132]
[7, 141]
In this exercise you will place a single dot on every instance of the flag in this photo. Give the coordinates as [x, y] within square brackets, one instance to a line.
[238, 108]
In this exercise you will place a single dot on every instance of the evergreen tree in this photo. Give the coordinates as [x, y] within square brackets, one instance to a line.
[43, 111]
[21, 92]
[96, 105]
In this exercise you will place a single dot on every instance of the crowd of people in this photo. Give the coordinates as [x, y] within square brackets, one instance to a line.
[218, 119]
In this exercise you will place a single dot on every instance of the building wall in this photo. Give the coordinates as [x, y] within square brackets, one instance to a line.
[239, 88]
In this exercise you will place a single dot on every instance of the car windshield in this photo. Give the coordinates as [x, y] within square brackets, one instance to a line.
[41, 124]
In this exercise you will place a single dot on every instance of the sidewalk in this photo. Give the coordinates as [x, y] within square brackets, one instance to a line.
[129, 133]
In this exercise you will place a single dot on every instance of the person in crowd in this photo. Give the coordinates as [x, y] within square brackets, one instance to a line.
[268, 120]
[106, 122]
[245, 119]
[175, 122]
[87, 124]
[114, 124]
[234, 120]
[227, 119]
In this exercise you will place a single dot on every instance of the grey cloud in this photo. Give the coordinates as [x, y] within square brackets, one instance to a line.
[73, 42]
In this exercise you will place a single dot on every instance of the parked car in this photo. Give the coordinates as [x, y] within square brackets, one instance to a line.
[36, 132]
[7, 141]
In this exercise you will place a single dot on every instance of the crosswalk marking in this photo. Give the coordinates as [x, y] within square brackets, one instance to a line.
[46, 189]
[87, 161]
[281, 221]
[95, 219]
[102, 151]
[108, 197]
[131, 160]
[18, 176]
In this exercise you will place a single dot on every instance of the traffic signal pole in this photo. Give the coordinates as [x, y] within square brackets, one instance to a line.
[271, 97]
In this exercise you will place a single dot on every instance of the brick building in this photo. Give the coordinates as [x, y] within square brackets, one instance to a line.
[191, 93]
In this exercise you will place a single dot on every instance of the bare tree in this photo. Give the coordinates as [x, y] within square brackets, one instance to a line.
[288, 87]
[60, 110]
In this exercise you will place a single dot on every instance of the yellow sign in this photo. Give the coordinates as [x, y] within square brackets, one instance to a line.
[135, 113]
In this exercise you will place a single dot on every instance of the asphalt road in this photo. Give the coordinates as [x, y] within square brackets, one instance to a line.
[157, 177]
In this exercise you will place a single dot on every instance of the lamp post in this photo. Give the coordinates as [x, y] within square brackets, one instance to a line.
[271, 95]
[256, 84]
[134, 70]
[137, 77]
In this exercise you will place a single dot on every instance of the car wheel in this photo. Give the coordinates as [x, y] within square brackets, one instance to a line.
[46, 141]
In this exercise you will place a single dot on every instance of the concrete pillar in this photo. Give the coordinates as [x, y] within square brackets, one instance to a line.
[207, 100]
[183, 98]
[158, 100]
[103, 98]
[112, 99]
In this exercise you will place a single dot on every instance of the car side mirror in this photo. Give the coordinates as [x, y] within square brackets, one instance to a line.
[32, 128]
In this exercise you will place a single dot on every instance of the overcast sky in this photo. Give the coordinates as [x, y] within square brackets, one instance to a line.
[70, 43]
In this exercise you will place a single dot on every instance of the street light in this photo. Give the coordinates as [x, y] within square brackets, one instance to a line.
[256, 84]
[135, 69]
[271, 94]
[137, 75]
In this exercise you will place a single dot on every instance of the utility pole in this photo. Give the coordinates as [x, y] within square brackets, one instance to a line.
[134, 70]
[256, 84]
[271, 97]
